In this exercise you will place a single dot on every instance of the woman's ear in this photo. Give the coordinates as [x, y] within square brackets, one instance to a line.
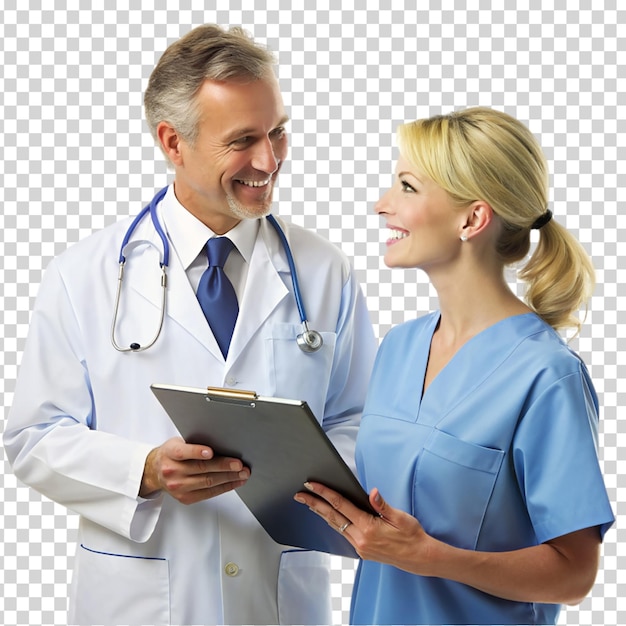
[170, 142]
[478, 217]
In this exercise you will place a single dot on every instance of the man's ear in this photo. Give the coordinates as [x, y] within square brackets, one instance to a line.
[478, 217]
[170, 142]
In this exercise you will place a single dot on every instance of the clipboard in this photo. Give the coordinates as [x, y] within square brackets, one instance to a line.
[284, 446]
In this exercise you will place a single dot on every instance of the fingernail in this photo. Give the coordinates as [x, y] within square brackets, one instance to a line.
[299, 498]
[243, 474]
[378, 499]
[235, 466]
[309, 486]
[206, 454]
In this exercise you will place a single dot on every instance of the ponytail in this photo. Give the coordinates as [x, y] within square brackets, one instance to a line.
[559, 276]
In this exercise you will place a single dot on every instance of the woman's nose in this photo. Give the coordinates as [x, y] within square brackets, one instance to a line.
[382, 206]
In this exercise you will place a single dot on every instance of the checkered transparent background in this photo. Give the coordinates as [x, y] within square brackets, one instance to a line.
[77, 156]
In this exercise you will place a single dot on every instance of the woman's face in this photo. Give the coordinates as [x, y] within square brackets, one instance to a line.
[424, 226]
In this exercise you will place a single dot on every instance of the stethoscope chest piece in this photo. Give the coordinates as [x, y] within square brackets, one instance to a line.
[309, 340]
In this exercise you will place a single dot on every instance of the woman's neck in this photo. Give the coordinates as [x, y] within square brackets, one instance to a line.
[472, 301]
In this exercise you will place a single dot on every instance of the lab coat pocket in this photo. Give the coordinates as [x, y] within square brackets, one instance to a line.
[119, 589]
[304, 588]
[300, 375]
[454, 480]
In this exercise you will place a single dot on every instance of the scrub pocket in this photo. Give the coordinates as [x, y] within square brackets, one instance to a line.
[118, 589]
[454, 481]
[304, 588]
[296, 374]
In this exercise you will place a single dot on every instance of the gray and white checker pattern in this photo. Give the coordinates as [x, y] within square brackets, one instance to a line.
[77, 156]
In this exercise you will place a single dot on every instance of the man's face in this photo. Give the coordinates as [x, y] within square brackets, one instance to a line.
[230, 171]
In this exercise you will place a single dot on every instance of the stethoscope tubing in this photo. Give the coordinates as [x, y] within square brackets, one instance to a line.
[308, 341]
[152, 209]
[292, 267]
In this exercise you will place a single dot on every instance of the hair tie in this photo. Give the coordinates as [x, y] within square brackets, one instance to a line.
[542, 220]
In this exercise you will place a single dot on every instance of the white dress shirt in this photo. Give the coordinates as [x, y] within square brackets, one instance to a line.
[188, 237]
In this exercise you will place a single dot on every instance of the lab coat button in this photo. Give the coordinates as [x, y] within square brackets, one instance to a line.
[231, 569]
[231, 381]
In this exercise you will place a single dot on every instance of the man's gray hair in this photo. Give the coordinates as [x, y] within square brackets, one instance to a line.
[207, 52]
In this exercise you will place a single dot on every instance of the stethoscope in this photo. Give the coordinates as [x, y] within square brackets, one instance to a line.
[308, 340]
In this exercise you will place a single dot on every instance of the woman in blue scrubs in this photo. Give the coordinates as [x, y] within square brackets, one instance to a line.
[478, 443]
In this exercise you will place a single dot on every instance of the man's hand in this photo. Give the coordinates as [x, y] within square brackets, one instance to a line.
[190, 473]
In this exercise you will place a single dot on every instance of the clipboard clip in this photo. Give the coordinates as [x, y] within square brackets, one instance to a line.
[232, 394]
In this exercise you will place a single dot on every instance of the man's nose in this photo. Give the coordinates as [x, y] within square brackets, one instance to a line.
[264, 159]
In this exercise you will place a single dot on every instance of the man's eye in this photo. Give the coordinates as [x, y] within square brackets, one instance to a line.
[241, 141]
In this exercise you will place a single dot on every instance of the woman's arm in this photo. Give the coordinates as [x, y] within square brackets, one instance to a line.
[560, 571]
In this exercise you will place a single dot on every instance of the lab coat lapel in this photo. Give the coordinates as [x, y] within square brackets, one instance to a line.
[185, 310]
[182, 305]
[264, 290]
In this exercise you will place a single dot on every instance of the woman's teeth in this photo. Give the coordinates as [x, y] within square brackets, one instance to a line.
[394, 235]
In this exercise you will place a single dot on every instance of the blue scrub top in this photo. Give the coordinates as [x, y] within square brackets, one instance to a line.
[499, 453]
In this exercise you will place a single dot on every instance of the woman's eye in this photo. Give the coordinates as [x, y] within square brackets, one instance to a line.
[406, 187]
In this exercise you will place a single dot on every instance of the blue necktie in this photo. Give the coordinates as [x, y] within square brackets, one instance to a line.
[216, 293]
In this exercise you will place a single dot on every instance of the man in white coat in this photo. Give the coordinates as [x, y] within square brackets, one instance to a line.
[163, 537]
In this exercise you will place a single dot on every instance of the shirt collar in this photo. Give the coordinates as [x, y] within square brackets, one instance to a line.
[188, 235]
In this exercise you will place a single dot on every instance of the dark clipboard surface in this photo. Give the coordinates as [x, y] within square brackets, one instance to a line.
[284, 446]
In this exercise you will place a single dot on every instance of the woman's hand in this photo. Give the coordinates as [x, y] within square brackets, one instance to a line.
[393, 536]
[559, 571]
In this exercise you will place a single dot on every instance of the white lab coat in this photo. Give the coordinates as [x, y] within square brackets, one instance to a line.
[84, 419]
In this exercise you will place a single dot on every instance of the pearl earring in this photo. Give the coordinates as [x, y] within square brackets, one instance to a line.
[463, 238]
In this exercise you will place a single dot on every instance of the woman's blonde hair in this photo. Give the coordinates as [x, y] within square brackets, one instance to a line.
[207, 52]
[484, 154]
